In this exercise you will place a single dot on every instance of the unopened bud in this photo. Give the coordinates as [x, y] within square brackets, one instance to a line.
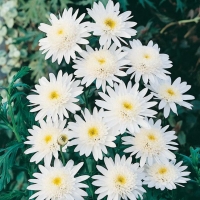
[62, 139]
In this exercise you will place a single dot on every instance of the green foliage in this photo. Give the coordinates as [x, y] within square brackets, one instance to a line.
[147, 2]
[12, 195]
[195, 161]
[7, 160]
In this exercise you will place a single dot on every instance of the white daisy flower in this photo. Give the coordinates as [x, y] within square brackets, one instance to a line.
[121, 179]
[147, 62]
[59, 182]
[102, 65]
[92, 134]
[45, 140]
[152, 144]
[56, 96]
[166, 175]
[171, 94]
[126, 106]
[110, 24]
[64, 36]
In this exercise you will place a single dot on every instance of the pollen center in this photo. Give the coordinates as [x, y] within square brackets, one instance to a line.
[162, 170]
[57, 181]
[170, 92]
[121, 180]
[47, 138]
[147, 56]
[101, 61]
[127, 105]
[110, 23]
[54, 95]
[151, 137]
[93, 132]
[60, 31]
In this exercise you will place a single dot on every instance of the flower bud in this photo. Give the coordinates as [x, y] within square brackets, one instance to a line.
[62, 139]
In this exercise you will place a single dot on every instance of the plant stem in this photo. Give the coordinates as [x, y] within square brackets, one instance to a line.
[13, 127]
[62, 155]
[90, 174]
[196, 20]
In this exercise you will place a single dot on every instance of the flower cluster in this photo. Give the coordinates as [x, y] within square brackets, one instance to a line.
[124, 111]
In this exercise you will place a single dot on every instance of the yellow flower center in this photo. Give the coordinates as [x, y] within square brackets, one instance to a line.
[101, 61]
[54, 95]
[162, 170]
[60, 31]
[171, 92]
[147, 56]
[57, 181]
[93, 132]
[151, 137]
[121, 180]
[47, 138]
[110, 23]
[127, 105]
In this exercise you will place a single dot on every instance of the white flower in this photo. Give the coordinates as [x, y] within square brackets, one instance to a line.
[121, 179]
[59, 182]
[63, 36]
[126, 107]
[92, 134]
[171, 94]
[102, 65]
[110, 24]
[56, 96]
[44, 140]
[166, 175]
[152, 144]
[147, 62]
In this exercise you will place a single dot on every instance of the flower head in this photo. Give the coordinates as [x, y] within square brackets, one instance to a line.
[126, 106]
[92, 134]
[58, 182]
[147, 62]
[166, 175]
[121, 179]
[102, 65]
[44, 140]
[110, 24]
[63, 36]
[171, 94]
[152, 144]
[56, 96]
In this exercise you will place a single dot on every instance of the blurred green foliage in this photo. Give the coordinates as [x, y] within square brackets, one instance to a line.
[173, 24]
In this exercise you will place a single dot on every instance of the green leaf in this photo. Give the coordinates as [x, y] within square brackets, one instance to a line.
[7, 160]
[22, 72]
[12, 195]
[17, 94]
[21, 85]
[180, 5]
[196, 105]
[124, 4]
[148, 2]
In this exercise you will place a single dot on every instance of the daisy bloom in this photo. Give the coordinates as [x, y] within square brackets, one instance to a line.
[121, 179]
[102, 65]
[147, 62]
[45, 140]
[110, 24]
[152, 144]
[64, 36]
[166, 175]
[92, 134]
[56, 96]
[126, 106]
[59, 182]
[171, 94]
